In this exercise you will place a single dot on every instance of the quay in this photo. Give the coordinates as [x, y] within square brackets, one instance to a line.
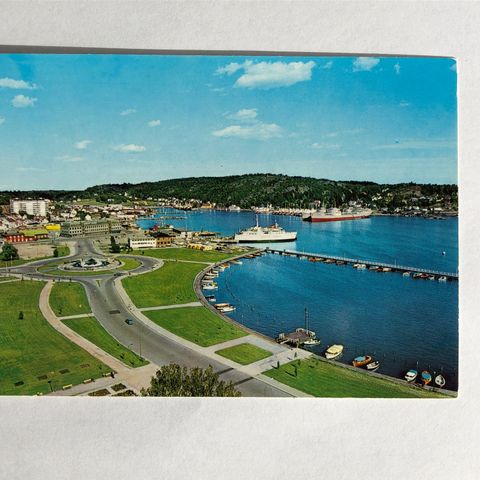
[368, 263]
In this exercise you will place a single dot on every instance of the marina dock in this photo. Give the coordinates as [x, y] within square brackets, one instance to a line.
[368, 263]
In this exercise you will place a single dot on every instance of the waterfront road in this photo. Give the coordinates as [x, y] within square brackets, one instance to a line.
[110, 310]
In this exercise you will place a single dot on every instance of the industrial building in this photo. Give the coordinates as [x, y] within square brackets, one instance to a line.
[96, 227]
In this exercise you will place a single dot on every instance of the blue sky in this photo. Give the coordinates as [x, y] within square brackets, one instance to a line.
[72, 121]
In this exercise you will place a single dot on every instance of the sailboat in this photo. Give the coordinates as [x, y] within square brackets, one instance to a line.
[312, 338]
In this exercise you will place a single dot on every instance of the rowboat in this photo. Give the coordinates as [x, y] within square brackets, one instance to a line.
[372, 366]
[440, 380]
[411, 375]
[334, 351]
[426, 377]
[361, 361]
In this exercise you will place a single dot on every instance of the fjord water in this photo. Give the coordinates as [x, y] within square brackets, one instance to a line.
[398, 320]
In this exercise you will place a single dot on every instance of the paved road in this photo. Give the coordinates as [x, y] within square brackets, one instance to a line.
[110, 310]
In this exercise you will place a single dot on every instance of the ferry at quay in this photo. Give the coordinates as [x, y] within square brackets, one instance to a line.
[335, 214]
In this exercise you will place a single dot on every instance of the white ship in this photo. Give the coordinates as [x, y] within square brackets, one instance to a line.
[274, 233]
[335, 214]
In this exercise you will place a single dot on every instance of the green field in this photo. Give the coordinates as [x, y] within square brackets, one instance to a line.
[69, 298]
[31, 351]
[128, 263]
[90, 328]
[63, 250]
[185, 254]
[322, 379]
[7, 279]
[244, 353]
[196, 324]
[170, 284]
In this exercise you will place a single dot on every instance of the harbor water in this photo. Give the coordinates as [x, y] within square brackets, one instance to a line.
[402, 322]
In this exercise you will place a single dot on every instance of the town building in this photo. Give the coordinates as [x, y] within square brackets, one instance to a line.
[37, 208]
[26, 236]
[96, 227]
[142, 242]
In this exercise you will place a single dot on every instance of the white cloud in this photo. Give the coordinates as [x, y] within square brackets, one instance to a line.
[259, 131]
[154, 123]
[416, 145]
[403, 103]
[16, 84]
[269, 74]
[365, 63]
[244, 115]
[228, 69]
[70, 158]
[82, 144]
[21, 101]
[327, 66]
[130, 148]
[325, 145]
[29, 169]
[2, 120]
[128, 111]
[396, 67]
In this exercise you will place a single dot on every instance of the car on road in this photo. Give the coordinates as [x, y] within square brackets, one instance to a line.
[129, 321]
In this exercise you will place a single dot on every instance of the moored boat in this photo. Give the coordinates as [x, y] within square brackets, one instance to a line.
[442, 279]
[361, 360]
[426, 377]
[372, 366]
[440, 380]
[210, 298]
[411, 375]
[334, 351]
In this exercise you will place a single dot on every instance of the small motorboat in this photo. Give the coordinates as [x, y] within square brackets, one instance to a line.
[310, 342]
[334, 351]
[211, 298]
[440, 380]
[411, 375]
[224, 307]
[406, 274]
[236, 262]
[426, 377]
[361, 361]
[442, 279]
[372, 366]
[210, 286]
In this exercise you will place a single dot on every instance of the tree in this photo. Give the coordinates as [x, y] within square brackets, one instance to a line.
[55, 252]
[9, 252]
[114, 246]
[176, 381]
[20, 315]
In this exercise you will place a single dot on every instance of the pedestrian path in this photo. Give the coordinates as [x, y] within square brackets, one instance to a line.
[72, 317]
[167, 307]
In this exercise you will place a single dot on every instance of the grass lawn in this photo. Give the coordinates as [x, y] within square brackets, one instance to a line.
[244, 353]
[128, 263]
[90, 328]
[69, 299]
[185, 254]
[196, 324]
[31, 351]
[7, 279]
[63, 251]
[322, 379]
[171, 284]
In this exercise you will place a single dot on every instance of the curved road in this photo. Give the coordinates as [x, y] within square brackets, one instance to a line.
[110, 310]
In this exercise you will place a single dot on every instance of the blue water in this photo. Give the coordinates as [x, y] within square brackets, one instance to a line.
[403, 323]
[415, 242]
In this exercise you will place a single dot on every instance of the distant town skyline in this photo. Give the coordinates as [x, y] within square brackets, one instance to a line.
[73, 121]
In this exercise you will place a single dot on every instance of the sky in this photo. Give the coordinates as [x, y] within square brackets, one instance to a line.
[73, 121]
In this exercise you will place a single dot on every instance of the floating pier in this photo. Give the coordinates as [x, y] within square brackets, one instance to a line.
[383, 267]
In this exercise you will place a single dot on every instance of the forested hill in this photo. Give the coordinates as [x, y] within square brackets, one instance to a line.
[259, 189]
[278, 190]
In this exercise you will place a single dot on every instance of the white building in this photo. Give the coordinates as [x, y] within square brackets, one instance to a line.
[30, 207]
[142, 242]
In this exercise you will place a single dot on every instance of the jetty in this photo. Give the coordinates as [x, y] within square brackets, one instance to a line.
[385, 267]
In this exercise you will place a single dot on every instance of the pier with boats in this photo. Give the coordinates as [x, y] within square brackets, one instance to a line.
[381, 267]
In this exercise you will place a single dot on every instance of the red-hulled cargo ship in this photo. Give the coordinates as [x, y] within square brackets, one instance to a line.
[335, 214]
